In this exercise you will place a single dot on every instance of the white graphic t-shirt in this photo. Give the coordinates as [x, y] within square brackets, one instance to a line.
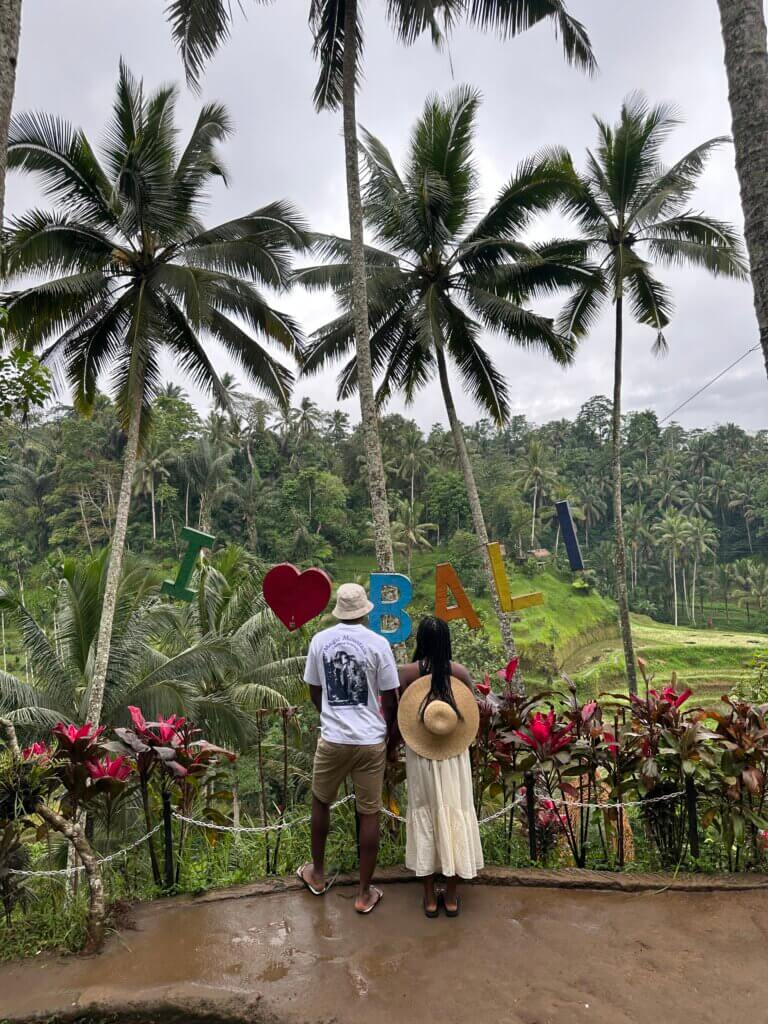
[353, 665]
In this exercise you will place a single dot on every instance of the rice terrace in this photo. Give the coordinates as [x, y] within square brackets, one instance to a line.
[383, 511]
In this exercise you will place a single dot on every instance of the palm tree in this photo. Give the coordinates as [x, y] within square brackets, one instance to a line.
[672, 532]
[535, 475]
[128, 270]
[724, 580]
[701, 540]
[743, 575]
[442, 279]
[207, 467]
[744, 36]
[637, 534]
[592, 508]
[199, 26]
[632, 211]
[10, 30]
[743, 498]
[152, 467]
[415, 458]
[408, 531]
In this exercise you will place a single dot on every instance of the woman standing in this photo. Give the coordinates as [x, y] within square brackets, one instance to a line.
[438, 719]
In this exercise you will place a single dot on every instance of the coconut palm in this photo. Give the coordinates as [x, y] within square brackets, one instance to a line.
[634, 211]
[701, 540]
[638, 535]
[441, 275]
[744, 36]
[408, 530]
[152, 468]
[128, 269]
[199, 26]
[63, 664]
[724, 581]
[672, 534]
[415, 458]
[535, 475]
[10, 30]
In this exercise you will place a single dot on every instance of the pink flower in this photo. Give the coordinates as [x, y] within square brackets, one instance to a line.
[118, 768]
[164, 731]
[545, 735]
[69, 735]
[484, 688]
[36, 750]
[508, 674]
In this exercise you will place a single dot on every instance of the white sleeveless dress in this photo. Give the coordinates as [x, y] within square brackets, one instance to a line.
[442, 834]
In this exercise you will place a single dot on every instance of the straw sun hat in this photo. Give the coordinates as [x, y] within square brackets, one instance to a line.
[441, 733]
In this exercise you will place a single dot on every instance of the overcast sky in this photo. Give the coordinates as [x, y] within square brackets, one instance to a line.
[283, 149]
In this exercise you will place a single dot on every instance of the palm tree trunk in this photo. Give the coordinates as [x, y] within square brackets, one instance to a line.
[478, 519]
[621, 552]
[10, 30]
[96, 696]
[674, 584]
[152, 500]
[693, 591]
[377, 482]
[749, 535]
[746, 61]
[533, 513]
[686, 604]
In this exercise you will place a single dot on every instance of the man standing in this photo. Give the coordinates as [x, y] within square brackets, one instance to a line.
[349, 667]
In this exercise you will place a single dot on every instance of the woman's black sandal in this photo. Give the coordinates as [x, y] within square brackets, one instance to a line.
[431, 913]
[448, 911]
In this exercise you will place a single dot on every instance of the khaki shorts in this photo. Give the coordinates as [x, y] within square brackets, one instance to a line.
[335, 761]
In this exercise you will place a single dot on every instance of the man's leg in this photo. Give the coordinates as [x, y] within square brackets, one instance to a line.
[369, 851]
[329, 769]
[368, 777]
[321, 823]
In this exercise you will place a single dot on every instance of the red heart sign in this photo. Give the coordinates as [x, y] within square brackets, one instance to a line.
[296, 597]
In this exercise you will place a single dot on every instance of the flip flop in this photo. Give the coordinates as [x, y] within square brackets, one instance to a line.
[376, 902]
[315, 892]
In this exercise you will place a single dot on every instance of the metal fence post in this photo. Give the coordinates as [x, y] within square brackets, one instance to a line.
[693, 824]
[530, 806]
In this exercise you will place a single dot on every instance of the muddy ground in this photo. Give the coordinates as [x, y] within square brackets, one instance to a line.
[515, 955]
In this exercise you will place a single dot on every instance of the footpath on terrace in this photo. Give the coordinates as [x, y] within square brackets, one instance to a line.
[521, 955]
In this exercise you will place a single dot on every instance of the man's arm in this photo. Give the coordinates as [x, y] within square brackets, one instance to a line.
[312, 678]
[316, 696]
[389, 710]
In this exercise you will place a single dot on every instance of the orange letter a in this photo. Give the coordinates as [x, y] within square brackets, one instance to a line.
[445, 578]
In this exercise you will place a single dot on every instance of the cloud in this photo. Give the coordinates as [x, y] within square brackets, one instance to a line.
[282, 148]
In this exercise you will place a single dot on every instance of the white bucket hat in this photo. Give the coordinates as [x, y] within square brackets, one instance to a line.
[351, 602]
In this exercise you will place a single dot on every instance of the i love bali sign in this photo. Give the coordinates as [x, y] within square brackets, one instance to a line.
[296, 597]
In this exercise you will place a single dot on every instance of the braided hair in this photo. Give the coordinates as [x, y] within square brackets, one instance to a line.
[433, 655]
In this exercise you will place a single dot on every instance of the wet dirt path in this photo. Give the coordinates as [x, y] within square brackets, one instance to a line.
[518, 956]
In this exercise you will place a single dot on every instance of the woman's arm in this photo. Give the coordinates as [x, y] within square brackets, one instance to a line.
[460, 673]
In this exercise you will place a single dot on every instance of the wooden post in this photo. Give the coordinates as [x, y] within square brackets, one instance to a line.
[693, 824]
[530, 806]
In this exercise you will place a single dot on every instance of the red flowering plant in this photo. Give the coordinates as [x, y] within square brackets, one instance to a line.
[496, 751]
[171, 762]
[735, 790]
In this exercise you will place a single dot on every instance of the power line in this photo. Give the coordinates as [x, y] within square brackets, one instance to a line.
[711, 382]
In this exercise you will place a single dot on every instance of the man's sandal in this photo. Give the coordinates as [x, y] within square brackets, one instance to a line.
[379, 897]
[315, 892]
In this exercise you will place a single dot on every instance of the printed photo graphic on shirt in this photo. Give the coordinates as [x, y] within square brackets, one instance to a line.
[346, 676]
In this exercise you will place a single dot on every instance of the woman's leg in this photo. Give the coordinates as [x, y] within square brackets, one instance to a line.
[430, 897]
[450, 896]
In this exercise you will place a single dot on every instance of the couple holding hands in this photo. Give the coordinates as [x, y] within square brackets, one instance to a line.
[354, 683]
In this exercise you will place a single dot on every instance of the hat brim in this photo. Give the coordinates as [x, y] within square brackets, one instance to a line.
[428, 744]
[346, 616]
